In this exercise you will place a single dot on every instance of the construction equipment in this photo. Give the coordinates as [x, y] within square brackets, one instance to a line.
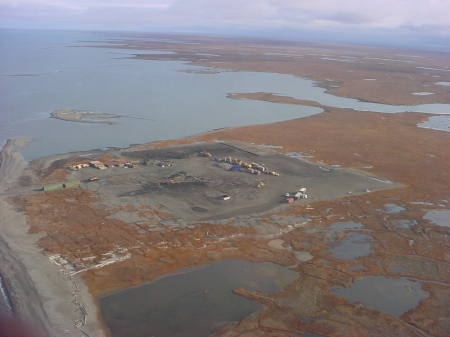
[260, 184]
[273, 173]
[204, 154]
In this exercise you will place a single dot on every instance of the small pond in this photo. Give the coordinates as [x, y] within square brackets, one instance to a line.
[354, 245]
[192, 304]
[392, 208]
[388, 295]
[439, 217]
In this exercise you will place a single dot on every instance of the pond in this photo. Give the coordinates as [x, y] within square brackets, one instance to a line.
[194, 303]
[392, 296]
[439, 217]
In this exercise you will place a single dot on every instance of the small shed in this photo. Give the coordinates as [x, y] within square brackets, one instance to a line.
[121, 162]
[111, 163]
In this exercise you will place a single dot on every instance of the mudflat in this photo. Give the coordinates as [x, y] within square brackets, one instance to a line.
[133, 225]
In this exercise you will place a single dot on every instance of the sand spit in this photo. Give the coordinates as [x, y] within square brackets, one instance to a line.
[41, 293]
[274, 98]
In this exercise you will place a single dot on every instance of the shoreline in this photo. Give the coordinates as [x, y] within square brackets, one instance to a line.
[13, 272]
[51, 296]
[12, 163]
[50, 276]
[41, 294]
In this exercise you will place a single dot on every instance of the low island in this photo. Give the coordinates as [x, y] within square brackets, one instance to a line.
[73, 115]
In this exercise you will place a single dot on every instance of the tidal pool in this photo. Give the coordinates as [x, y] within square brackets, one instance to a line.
[192, 304]
[388, 295]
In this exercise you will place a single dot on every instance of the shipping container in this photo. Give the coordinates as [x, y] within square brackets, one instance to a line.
[72, 183]
[53, 187]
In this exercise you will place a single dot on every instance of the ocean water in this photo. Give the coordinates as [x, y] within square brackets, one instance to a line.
[41, 71]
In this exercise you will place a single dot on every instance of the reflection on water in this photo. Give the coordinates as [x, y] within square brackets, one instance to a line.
[193, 304]
[388, 295]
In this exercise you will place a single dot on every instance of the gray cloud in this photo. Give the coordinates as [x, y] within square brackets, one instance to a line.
[399, 16]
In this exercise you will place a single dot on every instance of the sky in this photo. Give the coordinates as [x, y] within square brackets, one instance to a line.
[421, 23]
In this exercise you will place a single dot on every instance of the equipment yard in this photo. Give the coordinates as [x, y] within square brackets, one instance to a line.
[191, 184]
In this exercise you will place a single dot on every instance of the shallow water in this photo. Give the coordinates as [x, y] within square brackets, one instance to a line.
[404, 223]
[354, 245]
[388, 295]
[192, 304]
[103, 80]
[343, 225]
[392, 208]
[439, 217]
[441, 123]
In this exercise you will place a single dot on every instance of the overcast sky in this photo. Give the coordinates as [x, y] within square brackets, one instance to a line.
[406, 22]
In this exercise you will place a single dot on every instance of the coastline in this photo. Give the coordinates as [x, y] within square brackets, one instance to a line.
[62, 313]
[49, 296]
[41, 294]
[12, 163]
